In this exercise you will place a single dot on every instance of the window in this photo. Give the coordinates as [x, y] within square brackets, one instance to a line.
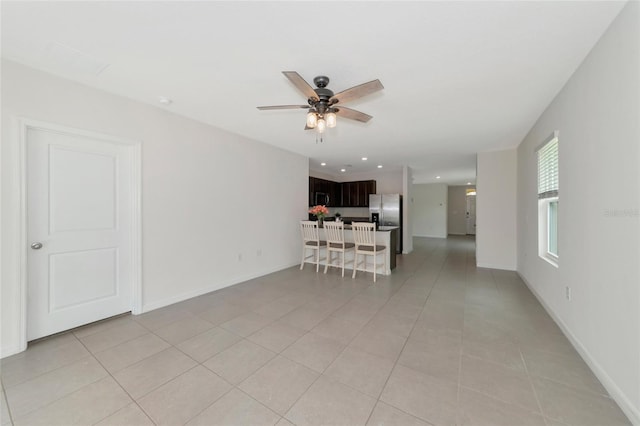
[548, 199]
[552, 228]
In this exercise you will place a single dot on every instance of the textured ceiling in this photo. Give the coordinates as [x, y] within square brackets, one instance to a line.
[459, 77]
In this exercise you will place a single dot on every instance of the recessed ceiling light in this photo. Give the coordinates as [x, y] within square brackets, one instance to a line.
[379, 166]
[468, 183]
[364, 158]
[343, 170]
[164, 101]
[437, 177]
[323, 164]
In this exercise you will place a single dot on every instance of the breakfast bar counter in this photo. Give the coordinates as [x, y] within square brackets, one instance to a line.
[385, 236]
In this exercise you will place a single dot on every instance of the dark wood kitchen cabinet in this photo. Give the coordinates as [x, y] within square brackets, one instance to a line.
[356, 194]
[349, 194]
[340, 194]
[365, 188]
[322, 191]
[335, 194]
[312, 190]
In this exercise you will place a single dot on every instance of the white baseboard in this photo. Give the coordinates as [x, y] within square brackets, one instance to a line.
[11, 350]
[625, 404]
[208, 289]
[494, 266]
[430, 236]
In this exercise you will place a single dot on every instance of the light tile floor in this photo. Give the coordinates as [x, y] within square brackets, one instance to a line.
[438, 342]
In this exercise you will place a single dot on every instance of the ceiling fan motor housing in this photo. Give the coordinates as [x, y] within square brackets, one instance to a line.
[323, 102]
[321, 81]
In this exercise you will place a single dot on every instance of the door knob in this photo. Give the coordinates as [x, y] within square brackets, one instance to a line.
[36, 246]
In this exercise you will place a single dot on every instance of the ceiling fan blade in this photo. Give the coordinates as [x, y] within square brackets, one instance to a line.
[300, 83]
[262, 108]
[358, 91]
[352, 114]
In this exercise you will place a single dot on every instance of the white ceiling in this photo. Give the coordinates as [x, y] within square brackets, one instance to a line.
[459, 77]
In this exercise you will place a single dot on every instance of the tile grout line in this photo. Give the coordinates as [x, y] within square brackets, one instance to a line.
[341, 352]
[395, 364]
[120, 386]
[280, 354]
[6, 401]
[321, 374]
[462, 336]
[526, 369]
[493, 397]
[68, 332]
[90, 355]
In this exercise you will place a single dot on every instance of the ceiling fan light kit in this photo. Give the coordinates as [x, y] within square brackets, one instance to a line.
[322, 110]
[332, 119]
[319, 121]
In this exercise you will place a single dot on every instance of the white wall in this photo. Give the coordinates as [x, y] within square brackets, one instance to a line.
[207, 195]
[597, 115]
[457, 210]
[321, 175]
[496, 210]
[429, 210]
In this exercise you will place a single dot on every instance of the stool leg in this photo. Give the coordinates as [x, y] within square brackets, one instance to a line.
[385, 259]
[355, 263]
[326, 263]
[375, 265]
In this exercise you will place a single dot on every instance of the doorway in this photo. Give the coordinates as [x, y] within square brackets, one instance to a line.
[81, 227]
[471, 214]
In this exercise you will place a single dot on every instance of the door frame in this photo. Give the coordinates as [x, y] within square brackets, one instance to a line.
[134, 151]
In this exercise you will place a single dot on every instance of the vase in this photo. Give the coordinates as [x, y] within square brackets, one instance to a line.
[320, 222]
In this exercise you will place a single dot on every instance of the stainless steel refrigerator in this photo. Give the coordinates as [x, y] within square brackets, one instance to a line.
[388, 207]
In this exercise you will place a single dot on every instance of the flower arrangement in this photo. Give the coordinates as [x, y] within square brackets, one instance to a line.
[319, 211]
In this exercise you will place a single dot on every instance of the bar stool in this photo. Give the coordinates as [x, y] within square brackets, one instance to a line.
[311, 241]
[364, 235]
[334, 232]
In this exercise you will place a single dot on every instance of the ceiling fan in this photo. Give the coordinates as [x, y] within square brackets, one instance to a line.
[323, 106]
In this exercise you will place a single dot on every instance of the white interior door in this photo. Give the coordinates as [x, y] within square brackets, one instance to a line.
[79, 230]
[471, 215]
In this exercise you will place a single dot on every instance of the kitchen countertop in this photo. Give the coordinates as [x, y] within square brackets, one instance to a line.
[381, 228]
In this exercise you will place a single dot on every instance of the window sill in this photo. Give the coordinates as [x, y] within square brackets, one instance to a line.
[549, 259]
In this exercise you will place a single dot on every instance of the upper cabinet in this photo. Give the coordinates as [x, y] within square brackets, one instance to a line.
[324, 192]
[312, 191]
[340, 194]
[356, 194]
[366, 188]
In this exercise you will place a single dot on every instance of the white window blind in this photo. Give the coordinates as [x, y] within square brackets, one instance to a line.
[548, 169]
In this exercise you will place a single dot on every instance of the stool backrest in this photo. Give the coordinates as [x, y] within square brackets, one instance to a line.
[364, 233]
[334, 232]
[309, 230]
